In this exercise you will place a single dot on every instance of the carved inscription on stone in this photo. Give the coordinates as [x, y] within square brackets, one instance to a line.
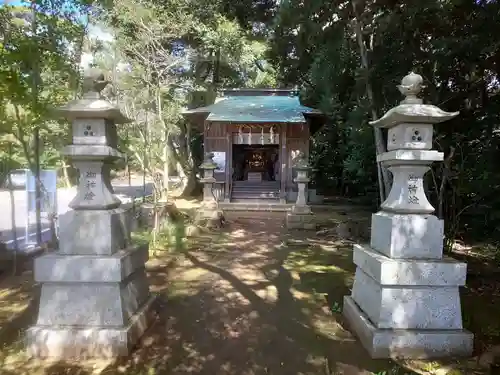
[91, 183]
[89, 196]
[412, 189]
[413, 199]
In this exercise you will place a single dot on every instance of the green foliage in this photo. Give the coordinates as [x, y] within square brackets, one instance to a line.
[450, 44]
[36, 64]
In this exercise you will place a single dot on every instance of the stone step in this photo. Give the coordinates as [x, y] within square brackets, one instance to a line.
[251, 188]
[260, 187]
[256, 187]
[254, 199]
[268, 220]
[249, 215]
[255, 191]
[257, 183]
[255, 195]
[248, 205]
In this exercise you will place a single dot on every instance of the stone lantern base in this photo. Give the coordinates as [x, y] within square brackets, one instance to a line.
[210, 215]
[407, 308]
[300, 217]
[402, 343]
[91, 305]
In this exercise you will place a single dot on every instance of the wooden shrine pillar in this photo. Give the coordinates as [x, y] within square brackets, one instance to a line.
[229, 163]
[283, 162]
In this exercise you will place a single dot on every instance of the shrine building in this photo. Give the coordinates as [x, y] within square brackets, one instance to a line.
[255, 135]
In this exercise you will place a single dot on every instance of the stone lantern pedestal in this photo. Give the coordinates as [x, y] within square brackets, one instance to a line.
[95, 298]
[405, 299]
[301, 216]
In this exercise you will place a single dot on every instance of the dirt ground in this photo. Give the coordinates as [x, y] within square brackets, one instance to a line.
[251, 299]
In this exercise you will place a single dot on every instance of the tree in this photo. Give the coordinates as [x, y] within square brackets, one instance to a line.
[316, 44]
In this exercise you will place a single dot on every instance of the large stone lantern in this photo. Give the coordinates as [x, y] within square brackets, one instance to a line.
[95, 298]
[405, 299]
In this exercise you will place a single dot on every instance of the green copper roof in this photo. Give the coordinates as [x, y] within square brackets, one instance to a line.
[256, 108]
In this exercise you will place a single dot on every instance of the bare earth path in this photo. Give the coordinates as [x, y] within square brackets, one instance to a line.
[232, 308]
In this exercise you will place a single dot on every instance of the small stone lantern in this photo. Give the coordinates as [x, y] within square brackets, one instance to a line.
[95, 298]
[301, 216]
[405, 299]
[208, 166]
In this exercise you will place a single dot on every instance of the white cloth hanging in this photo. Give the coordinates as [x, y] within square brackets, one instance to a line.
[240, 136]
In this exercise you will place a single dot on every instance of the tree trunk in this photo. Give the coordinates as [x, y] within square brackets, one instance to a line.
[382, 172]
[166, 176]
[13, 214]
[191, 184]
[128, 173]
[66, 179]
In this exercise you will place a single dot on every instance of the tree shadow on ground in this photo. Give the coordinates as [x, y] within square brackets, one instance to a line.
[65, 368]
[19, 299]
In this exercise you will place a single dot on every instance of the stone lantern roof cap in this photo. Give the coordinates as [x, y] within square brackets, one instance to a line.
[208, 162]
[300, 162]
[92, 105]
[412, 109]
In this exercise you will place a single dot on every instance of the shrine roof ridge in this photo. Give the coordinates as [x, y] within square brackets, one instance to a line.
[259, 92]
[256, 109]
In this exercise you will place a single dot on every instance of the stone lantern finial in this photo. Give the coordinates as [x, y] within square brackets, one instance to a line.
[93, 82]
[209, 156]
[411, 85]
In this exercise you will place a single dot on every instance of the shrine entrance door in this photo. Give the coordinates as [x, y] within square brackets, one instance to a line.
[255, 163]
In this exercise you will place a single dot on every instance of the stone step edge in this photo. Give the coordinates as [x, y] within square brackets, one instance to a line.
[60, 268]
[446, 272]
[256, 190]
[238, 206]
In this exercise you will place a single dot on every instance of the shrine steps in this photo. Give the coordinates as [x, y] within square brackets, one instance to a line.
[249, 206]
[255, 192]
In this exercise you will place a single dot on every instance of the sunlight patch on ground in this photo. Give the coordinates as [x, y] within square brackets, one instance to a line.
[238, 233]
[9, 310]
[6, 293]
[192, 274]
[237, 244]
[269, 293]
[180, 288]
[331, 328]
[185, 204]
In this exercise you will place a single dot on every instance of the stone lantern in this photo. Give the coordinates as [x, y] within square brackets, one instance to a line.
[301, 217]
[208, 166]
[95, 298]
[405, 299]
